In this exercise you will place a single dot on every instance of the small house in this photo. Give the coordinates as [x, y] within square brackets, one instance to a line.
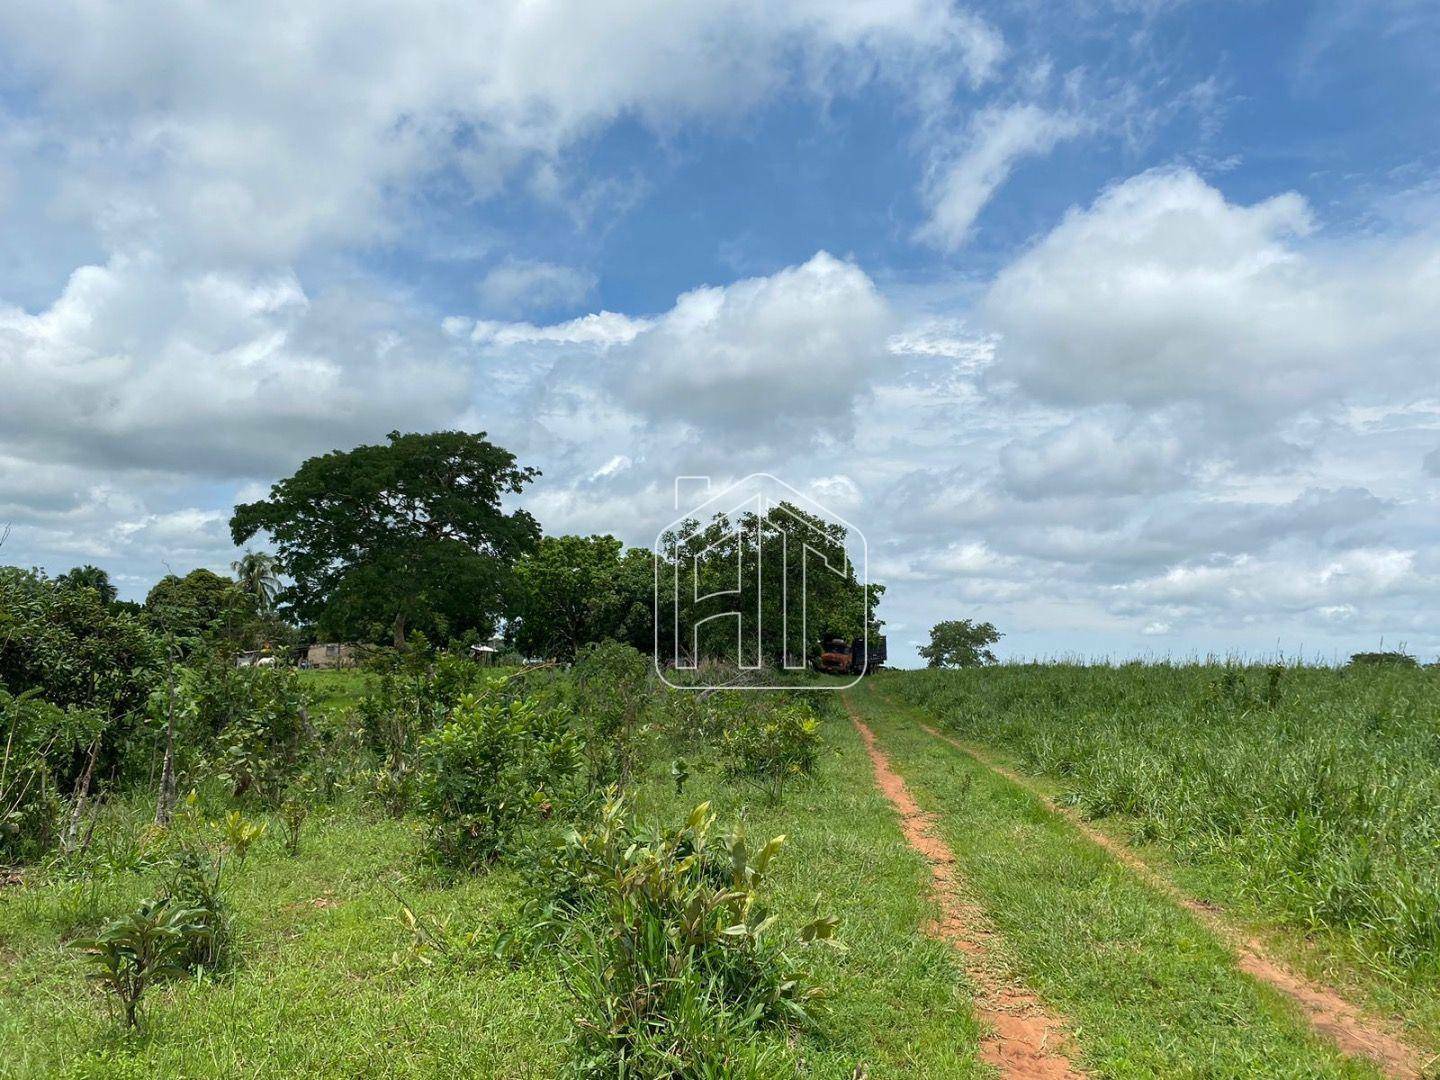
[331, 655]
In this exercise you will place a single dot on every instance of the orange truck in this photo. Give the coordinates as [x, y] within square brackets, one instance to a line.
[841, 657]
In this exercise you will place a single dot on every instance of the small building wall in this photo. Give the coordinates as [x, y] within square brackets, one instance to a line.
[331, 655]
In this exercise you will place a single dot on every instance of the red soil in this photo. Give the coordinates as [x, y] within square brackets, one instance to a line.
[1024, 1039]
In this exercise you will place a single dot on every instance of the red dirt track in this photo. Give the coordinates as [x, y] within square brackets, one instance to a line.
[1337, 1019]
[1024, 1038]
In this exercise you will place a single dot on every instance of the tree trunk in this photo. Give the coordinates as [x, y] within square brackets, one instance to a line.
[82, 793]
[166, 802]
[400, 630]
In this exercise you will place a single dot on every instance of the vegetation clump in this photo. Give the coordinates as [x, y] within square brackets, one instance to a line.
[193, 885]
[499, 763]
[772, 747]
[676, 959]
[41, 742]
[154, 942]
[612, 698]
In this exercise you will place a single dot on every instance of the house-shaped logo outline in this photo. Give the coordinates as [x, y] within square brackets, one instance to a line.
[728, 501]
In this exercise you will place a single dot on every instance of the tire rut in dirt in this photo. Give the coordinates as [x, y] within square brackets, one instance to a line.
[1025, 1039]
[1356, 1034]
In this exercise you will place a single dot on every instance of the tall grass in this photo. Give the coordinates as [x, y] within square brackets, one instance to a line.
[1315, 791]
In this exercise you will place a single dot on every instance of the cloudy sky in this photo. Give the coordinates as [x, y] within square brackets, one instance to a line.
[1117, 325]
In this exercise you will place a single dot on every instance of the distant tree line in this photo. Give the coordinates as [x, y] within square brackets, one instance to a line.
[414, 536]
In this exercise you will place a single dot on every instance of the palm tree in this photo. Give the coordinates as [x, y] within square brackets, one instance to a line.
[91, 577]
[255, 571]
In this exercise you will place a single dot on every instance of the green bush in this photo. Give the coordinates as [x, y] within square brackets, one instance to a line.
[690, 718]
[38, 743]
[402, 707]
[771, 747]
[80, 653]
[393, 790]
[495, 766]
[676, 959]
[262, 749]
[72, 647]
[134, 952]
[612, 696]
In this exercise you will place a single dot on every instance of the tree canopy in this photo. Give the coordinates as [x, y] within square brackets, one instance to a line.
[573, 590]
[72, 647]
[796, 555]
[410, 534]
[960, 643]
[90, 577]
[256, 576]
[200, 606]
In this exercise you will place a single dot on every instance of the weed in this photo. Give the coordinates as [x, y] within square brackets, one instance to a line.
[135, 951]
[675, 957]
[770, 748]
[193, 885]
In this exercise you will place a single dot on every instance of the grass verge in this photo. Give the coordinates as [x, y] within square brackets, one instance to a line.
[896, 1001]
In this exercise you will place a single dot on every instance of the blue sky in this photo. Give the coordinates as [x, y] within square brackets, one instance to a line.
[1113, 322]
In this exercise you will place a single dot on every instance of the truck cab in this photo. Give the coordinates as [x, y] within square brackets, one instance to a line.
[841, 657]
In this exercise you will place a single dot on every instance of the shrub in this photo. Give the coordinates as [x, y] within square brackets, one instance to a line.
[73, 647]
[397, 713]
[78, 653]
[494, 767]
[771, 747]
[293, 815]
[38, 741]
[411, 698]
[216, 691]
[612, 694]
[689, 717]
[392, 789]
[678, 959]
[135, 951]
[260, 750]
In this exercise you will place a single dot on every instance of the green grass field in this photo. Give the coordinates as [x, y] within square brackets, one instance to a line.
[327, 986]
[1213, 776]
[1304, 800]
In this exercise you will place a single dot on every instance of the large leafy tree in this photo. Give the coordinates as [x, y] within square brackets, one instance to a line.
[575, 590]
[805, 590]
[407, 535]
[960, 643]
[199, 607]
[71, 647]
[75, 675]
[90, 577]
